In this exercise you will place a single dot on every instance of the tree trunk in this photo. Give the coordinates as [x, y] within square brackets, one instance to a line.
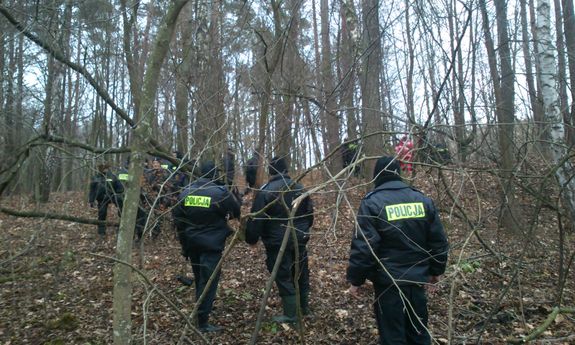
[551, 106]
[504, 95]
[569, 30]
[348, 70]
[561, 68]
[291, 78]
[329, 114]
[533, 99]
[269, 59]
[122, 303]
[182, 80]
[505, 118]
[369, 82]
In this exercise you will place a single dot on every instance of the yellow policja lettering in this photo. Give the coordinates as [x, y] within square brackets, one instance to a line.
[405, 211]
[198, 201]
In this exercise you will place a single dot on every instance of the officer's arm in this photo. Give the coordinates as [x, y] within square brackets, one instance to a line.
[365, 240]
[255, 224]
[438, 245]
[179, 216]
[230, 205]
[308, 210]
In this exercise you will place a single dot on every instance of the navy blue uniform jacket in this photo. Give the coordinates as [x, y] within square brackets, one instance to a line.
[201, 216]
[402, 227]
[276, 198]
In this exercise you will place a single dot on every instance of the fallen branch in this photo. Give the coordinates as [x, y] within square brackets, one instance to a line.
[47, 215]
[539, 330]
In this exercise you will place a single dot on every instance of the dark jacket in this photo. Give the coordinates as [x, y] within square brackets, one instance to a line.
[251, 171]
[201, 216]
[276, 198]
[104, 186]
[404, 230]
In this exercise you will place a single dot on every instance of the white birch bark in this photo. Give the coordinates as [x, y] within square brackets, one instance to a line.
[551, 110]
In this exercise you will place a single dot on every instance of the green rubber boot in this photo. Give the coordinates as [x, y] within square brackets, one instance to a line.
[289, 306]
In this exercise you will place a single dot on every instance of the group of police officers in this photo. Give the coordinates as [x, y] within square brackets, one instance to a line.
[399, 243]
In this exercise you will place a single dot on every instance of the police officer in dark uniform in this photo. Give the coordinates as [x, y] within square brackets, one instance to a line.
[142, 214]
[274, 202]
[229, 167]
[349, 155]
[251, 171]
[105, 188]
[201, 219]
[402, 227]
[158, 194]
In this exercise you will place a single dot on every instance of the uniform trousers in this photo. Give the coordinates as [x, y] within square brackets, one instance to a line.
[401, 319]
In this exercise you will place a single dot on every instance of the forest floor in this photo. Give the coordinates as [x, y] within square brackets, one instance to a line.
[56, 282]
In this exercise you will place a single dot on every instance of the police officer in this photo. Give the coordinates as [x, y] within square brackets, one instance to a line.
[251, 171]
[273, 203]
[105, 188]
[142, 215]
[349, 155]
[401, 226]
[201, 219]
[158, 194]
[228, 164]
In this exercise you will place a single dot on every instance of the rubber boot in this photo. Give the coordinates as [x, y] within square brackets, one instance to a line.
[289, 306]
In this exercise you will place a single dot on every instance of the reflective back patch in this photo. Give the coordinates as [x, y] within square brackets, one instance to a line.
[123, 177]
[405, 211]
[164, 166]
[197, 201]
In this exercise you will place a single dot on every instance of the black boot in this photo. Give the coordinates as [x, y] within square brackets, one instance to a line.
[289, 306]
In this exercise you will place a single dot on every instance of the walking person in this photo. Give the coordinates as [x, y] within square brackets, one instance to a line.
[106, 189]
[201, 217]
[272, 205]
[400, 245]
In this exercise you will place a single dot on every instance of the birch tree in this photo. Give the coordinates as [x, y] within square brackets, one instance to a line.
[551, 108]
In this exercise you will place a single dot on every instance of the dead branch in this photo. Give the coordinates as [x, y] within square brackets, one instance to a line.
[539, 330]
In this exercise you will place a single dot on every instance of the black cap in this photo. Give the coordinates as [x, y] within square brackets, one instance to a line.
[278, 165]
[386, 169]
[208, 169]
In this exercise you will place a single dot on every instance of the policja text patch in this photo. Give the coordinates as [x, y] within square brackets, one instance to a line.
[405, 211]
[197, 201]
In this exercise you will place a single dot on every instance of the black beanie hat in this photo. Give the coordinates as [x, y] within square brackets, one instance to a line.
[208, 169]
[386, 169]
[278, 165]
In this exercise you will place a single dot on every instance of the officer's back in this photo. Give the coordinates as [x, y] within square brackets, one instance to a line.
[203, 210]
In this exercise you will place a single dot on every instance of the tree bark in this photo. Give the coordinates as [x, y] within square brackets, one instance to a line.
[122, 303]
[369, 82]
[331, 118]
[569, 30]
[534, 101]
[551, 108]
[348, 70]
